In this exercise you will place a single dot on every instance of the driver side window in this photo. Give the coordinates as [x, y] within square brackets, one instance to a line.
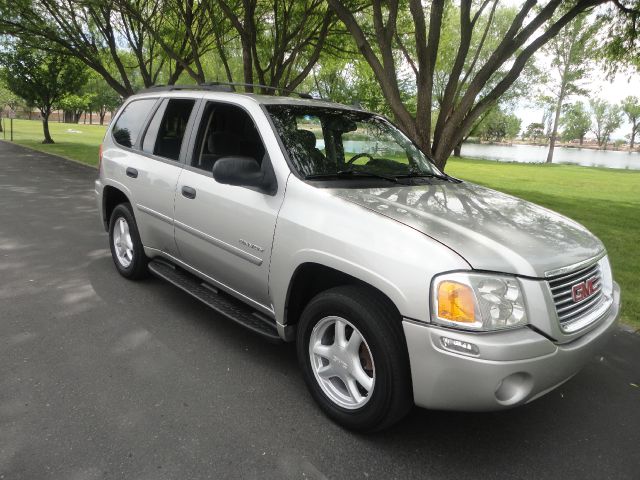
[226, 131]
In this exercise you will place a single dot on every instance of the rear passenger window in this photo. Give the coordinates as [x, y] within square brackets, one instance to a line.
[127, 128]
[167, 129]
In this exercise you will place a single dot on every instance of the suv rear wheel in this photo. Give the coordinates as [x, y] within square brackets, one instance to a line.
[126, 248]
[354, 359]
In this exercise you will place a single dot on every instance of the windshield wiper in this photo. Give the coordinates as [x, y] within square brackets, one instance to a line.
[351, 173]
[415, 174]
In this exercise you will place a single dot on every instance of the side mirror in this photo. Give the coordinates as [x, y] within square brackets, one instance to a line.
[244, 172]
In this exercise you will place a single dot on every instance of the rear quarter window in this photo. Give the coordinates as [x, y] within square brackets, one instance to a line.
[129, 124]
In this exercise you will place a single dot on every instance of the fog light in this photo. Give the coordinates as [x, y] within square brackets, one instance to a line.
[514, 388]
[459, 346]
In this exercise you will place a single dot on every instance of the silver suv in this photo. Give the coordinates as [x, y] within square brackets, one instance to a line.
[319, 223]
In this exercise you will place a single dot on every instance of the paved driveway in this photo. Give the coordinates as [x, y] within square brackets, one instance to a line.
[104, 378]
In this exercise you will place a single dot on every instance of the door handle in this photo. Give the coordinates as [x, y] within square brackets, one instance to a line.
[132, 172]
[188, 192]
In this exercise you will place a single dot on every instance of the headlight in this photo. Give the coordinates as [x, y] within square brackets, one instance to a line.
[477, 301]
[607, 278]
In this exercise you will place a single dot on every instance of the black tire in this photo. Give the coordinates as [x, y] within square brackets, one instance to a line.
[380, 325]
[137, 268]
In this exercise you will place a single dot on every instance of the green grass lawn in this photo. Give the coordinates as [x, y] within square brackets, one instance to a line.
[606, 201]
[76, 142]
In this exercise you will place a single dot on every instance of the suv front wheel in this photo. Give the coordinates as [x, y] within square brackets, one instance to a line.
[352, 352]
[126, 248]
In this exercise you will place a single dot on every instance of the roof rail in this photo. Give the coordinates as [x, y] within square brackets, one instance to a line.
[168, 88]
[225, 87]
[258, 85]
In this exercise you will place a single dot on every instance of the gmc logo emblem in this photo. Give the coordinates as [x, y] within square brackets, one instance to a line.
[585, 289]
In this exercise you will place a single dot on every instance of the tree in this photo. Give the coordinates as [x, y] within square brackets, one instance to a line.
[570, 52]
[622, 43]
[606, 118]
[631, 108]
[498, 125]
[119, 40]
[576, 122]
[534, 131]
[106, 100]
[280, 40]
[472, 86]
[8, 99]
[493, 27]
[74, 106]
[41, 78]
[181, 31]
[102, 98]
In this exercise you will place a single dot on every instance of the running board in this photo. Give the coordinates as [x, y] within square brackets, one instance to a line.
[220, 302]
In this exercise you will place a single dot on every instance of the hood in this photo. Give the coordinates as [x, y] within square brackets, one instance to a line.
[490, 230]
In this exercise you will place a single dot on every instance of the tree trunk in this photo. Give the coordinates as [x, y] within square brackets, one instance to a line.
[632, 139]
[247, 62]
[457, 150]
[581, 140]
[556, 121]
[45, 127]
[102, 115]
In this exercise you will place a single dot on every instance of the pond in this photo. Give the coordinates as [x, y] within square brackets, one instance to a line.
[535, 154]
[516, 153]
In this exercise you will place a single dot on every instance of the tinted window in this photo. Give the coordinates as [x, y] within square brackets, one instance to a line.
[167, 129]
[149, 142]
[226, 131]
[130, 122]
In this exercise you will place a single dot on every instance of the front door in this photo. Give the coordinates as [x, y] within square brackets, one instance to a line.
[225, 231]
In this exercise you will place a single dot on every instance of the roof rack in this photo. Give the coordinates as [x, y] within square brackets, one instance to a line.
[226, 87]
[168, 88]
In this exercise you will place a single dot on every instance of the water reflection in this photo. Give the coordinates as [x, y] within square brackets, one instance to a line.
[534, 154]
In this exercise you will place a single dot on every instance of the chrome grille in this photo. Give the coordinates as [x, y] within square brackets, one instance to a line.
[561, 288]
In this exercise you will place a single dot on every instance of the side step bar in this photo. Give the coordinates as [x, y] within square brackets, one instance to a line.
[220, 302]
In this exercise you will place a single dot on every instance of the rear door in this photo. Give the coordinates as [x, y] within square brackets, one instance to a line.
[221, 230]
[151, 167]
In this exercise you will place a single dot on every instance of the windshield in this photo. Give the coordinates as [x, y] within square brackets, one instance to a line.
[323, 142]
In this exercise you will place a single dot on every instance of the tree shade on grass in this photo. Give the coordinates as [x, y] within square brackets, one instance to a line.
[606, 201]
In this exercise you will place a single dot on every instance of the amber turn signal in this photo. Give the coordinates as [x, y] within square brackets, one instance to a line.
[456, 302]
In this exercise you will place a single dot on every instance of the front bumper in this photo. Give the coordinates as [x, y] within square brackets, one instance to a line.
[512, 368]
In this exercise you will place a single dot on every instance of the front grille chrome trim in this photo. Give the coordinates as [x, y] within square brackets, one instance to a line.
[576, 266]
[584, 305]
[586, 320]
[598, 294]
[573, 281]
[573, 316]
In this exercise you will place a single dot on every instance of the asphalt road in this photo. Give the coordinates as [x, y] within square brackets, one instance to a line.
[105, 378]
